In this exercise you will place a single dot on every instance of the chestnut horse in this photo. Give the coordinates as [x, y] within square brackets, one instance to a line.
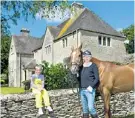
[113, 78]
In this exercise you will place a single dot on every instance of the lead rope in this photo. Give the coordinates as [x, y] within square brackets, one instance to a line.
[77, 88]
[73, 80]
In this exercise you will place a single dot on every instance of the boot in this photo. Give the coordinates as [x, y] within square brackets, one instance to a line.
[94, 116]
[85, 115]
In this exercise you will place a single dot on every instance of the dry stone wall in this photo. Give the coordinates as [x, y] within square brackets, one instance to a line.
[65, 104]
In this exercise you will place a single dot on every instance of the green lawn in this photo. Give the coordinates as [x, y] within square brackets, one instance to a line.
[11, 90]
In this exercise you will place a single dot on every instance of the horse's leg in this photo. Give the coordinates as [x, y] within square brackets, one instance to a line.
[102, 96]
[107, 96]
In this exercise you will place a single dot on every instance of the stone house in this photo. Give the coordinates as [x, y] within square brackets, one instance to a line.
[84, 27]
[87, 28]
[20, 55]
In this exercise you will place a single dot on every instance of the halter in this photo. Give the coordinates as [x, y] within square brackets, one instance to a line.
[75, 63]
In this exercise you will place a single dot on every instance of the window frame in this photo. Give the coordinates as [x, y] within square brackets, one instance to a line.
[63, 43]
[100, 40]
[104, 39]
[48, 49]
[109, 41]
[66, 41]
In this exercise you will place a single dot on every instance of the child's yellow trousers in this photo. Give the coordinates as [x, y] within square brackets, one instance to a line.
[43, 95]
[40, 97]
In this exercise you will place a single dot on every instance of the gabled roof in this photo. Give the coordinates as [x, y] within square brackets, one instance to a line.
[40, 46]
[54, 30]
[26, 44]
[87, 20]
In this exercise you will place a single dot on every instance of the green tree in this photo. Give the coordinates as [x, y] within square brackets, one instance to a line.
[130, 47]
[11, 11]
[129, 33]
[5, 45]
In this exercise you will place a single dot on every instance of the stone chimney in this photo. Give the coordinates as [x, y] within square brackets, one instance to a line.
[77, 7]
[24, 32]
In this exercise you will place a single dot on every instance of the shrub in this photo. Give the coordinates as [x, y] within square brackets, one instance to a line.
[3, 79]
[57, 76]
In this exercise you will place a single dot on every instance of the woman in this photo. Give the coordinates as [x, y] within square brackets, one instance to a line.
[89, 79]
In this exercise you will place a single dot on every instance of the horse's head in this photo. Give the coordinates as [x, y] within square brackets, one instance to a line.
[76, 59]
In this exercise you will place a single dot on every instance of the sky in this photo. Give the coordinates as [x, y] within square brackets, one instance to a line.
[117, 14]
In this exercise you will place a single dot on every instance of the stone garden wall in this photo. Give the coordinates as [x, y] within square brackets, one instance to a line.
[65, 104]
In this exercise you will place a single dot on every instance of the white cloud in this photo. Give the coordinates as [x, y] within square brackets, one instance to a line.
[38, 16]
[56, 15]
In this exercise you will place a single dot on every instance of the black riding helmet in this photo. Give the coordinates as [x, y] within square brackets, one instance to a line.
[87, 53]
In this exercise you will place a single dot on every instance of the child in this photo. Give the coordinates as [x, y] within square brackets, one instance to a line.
[37, 85]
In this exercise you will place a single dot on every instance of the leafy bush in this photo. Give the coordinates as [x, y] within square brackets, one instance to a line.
[3, 79]
[57, 76]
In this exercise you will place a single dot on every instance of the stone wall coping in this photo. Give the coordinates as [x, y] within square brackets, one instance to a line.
[30, 95]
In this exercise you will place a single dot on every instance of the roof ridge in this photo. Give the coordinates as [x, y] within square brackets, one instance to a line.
[29, 37]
